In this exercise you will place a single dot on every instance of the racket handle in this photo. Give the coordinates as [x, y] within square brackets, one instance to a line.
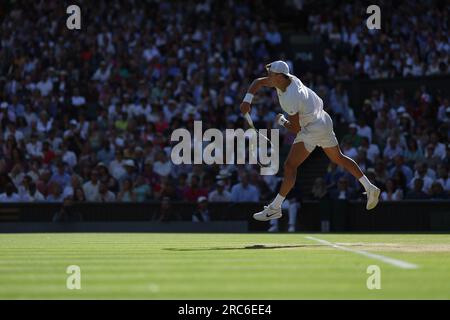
[249, 119]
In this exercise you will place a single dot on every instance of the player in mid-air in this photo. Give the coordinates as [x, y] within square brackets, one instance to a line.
[313, 127]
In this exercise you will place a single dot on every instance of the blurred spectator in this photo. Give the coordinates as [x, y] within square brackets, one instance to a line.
[105, 177]
[414, 152]
[443, 178]
[142, 190]
[400, 166]
[167, 189]
[126, 193]
[55, 193]
[201, 214]
[106, 153]
[334, 172]
[104, 195]
[60, 176]
[34, 147]
[166, 213]
[48, 154]
[194, 190]
[162, 165]
[343, 191]
[429, 155]
[67, 212]
[28, 191]
[392, 193]
[392, 149]
[364, 130]
[417, 190]
[91, 187]
[244, 191]
[33, 194]
[68, 156]
[340, 105]
[422, 174]
[23, 189]
[263, 189]
[17, 174]
[9, 195]
[400, 180]
[219, 194]
[437, 192]
[319, 189]
[116, 166]
[130, 170]
[42, 181]
[79, 195]
[75, 182]
[225, 176]
[352, 137]
[438, 148]
[372, 150]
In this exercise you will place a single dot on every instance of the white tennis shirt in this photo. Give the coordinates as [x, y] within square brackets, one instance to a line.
[300, 99]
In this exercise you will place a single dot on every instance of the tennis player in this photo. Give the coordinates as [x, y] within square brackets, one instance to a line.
[313, 127]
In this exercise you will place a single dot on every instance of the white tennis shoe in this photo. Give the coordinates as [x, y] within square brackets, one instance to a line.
[268, 213]
[373, 193]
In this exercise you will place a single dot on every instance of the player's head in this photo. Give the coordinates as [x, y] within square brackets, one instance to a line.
[278, 69]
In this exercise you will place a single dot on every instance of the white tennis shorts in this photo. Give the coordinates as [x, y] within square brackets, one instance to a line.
[318, 133]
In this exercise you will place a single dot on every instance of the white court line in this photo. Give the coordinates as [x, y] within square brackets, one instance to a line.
[392, 261]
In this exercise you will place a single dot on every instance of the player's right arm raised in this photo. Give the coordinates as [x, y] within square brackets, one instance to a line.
[254, 87]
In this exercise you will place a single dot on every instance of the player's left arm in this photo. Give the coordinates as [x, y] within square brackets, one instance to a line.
[292, 123]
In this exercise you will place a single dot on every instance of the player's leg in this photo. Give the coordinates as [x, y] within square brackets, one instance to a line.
[335, 155]
[299, 152]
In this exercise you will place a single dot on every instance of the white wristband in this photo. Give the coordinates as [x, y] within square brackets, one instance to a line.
[282, 121]
[248, 98]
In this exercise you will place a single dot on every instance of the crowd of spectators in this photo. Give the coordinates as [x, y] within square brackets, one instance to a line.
[414, 40]
[87, 114]
[402, 143]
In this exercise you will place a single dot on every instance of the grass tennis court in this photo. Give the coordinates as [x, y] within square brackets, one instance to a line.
[224, 266]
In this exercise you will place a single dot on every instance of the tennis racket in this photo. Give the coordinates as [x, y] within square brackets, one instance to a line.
[252, 146]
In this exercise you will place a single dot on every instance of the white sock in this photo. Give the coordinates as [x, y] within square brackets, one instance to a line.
[276, 203]
[365, 182]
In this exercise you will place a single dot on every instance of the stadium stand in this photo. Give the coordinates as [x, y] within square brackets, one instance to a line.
[87, 116]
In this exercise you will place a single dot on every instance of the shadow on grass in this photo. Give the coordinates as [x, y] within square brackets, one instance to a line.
[254, 247]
